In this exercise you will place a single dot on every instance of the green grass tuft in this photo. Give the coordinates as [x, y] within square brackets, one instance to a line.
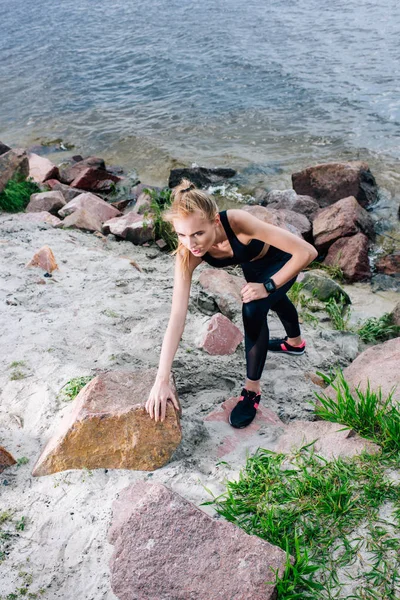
[338, 312]
[16, 195]
[334, 271]
[71, 389]
[163, 230]
[375, 330]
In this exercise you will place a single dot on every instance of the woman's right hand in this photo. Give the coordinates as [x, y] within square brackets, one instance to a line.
[156, 404]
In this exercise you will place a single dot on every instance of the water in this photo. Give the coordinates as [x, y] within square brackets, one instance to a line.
[268, 86]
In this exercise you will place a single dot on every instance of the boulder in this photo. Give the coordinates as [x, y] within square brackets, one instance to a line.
[4, 148]
[318, 283]
[92, 204]
[6, 459]
[108, 427]
[342, 219]
[41, 168]
[200, 176]
[221, 336]
[44, 258]
[166, 548]
[379, 365]
[330, 182]
[389, 264]
[132, 227]
[382, 282]
[351, 255]
[396, 315]
[68, 192]
[288, 199]
[95, 180]
[40, 217]
[274, 217]
[224, 289]
[81, 219]
[143, 204]
[331, 439]
[13, 163]
[46, 201]
[76, 167]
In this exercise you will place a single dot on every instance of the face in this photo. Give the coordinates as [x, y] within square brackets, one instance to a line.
[196, 233]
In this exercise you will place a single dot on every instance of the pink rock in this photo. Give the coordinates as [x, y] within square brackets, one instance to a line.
[224, 288]
[132, 227]
[288, 199]
[44, 258]
[143, 204]
[40, 217]
[274, 217]
[344, 218]
[166, 548]
[81, 219]
[46, 201]
[300, 222]
[396, 315]
[12, 163]
[332, 439]
[78, 165]
[92, 204]
[222, 336]
[68, 192]
[351, 255]
[389, 264]
[331, 182]
[41, 168]
[95, 180]
[6, 459]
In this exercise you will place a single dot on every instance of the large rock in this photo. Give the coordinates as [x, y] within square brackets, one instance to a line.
[396, 315]
[342, 219]
[380, 366]
[68, 192]
[46, 201]
[6, 459]
[331, 182]
[221, 336]
[41, 168]
[288, 199]
[81, 219]
[132, 227]
[108, 427]
[224, 289]
[92, 204]
[95, 180]
[45, 259]
[351, 255]
[318, 283]
[200, 176]
[389, 264]
[40, 217]
[13, 163]
[166, 548]
[4, 148]
[331, 439]
[279, 218]
[79, 164]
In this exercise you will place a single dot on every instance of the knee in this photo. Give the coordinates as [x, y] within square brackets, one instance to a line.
[253, 311]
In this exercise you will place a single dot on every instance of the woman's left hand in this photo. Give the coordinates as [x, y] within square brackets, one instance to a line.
[253, 291]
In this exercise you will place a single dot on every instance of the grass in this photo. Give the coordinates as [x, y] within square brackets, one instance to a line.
[9, 530]
[338, 313]
[304, 303]
[71, 389]
[16, 195]
[334, 271]
[162, 230]
[326, 514]
[375, 330]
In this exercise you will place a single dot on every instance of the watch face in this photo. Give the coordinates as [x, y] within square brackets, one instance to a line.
[270, 286]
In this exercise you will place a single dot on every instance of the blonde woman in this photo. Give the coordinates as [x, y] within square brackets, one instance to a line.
[271, 259]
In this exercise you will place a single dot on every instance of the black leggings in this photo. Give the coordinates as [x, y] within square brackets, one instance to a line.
[256, 327]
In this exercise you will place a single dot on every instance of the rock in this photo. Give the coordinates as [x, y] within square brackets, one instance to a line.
[121, 205]
[396, 315]
[224, 288]
[40, 217]
[294, 219]
[132, 227]
[317, 282]
[108, 427]
[389, 264]
[77, 166]
[331, 440]
[81, 219]
[331, 182]
[13, 163]
[274, 217]
[46, 201]
[143, 204]
[41, 168]
[92, 204]
[288, 199]
[6, 459]
[162, 244]
[68, 192]
[166, 548]
[382, 282]
[221, 336]
[44, 258]
[342, 219]
[351, 255]
[200, 176]
[3, 148]
[95, 180]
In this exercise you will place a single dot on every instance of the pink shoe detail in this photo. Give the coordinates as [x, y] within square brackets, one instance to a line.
[283, 347]
[256, 405]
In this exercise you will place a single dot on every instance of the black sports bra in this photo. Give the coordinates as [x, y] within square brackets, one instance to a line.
[242, 253]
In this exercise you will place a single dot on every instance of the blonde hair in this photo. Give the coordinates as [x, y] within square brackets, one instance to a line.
[187, 199]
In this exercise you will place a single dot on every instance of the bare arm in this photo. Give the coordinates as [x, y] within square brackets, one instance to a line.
[161, 391]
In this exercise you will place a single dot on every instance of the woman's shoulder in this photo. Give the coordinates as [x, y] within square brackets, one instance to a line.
[239, 219]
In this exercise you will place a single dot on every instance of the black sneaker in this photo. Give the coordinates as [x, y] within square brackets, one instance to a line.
[245, 410]
[281, 345]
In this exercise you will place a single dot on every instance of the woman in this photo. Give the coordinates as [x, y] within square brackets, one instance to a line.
[271, 259]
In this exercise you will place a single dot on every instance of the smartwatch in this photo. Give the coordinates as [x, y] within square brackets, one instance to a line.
[270, 286]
